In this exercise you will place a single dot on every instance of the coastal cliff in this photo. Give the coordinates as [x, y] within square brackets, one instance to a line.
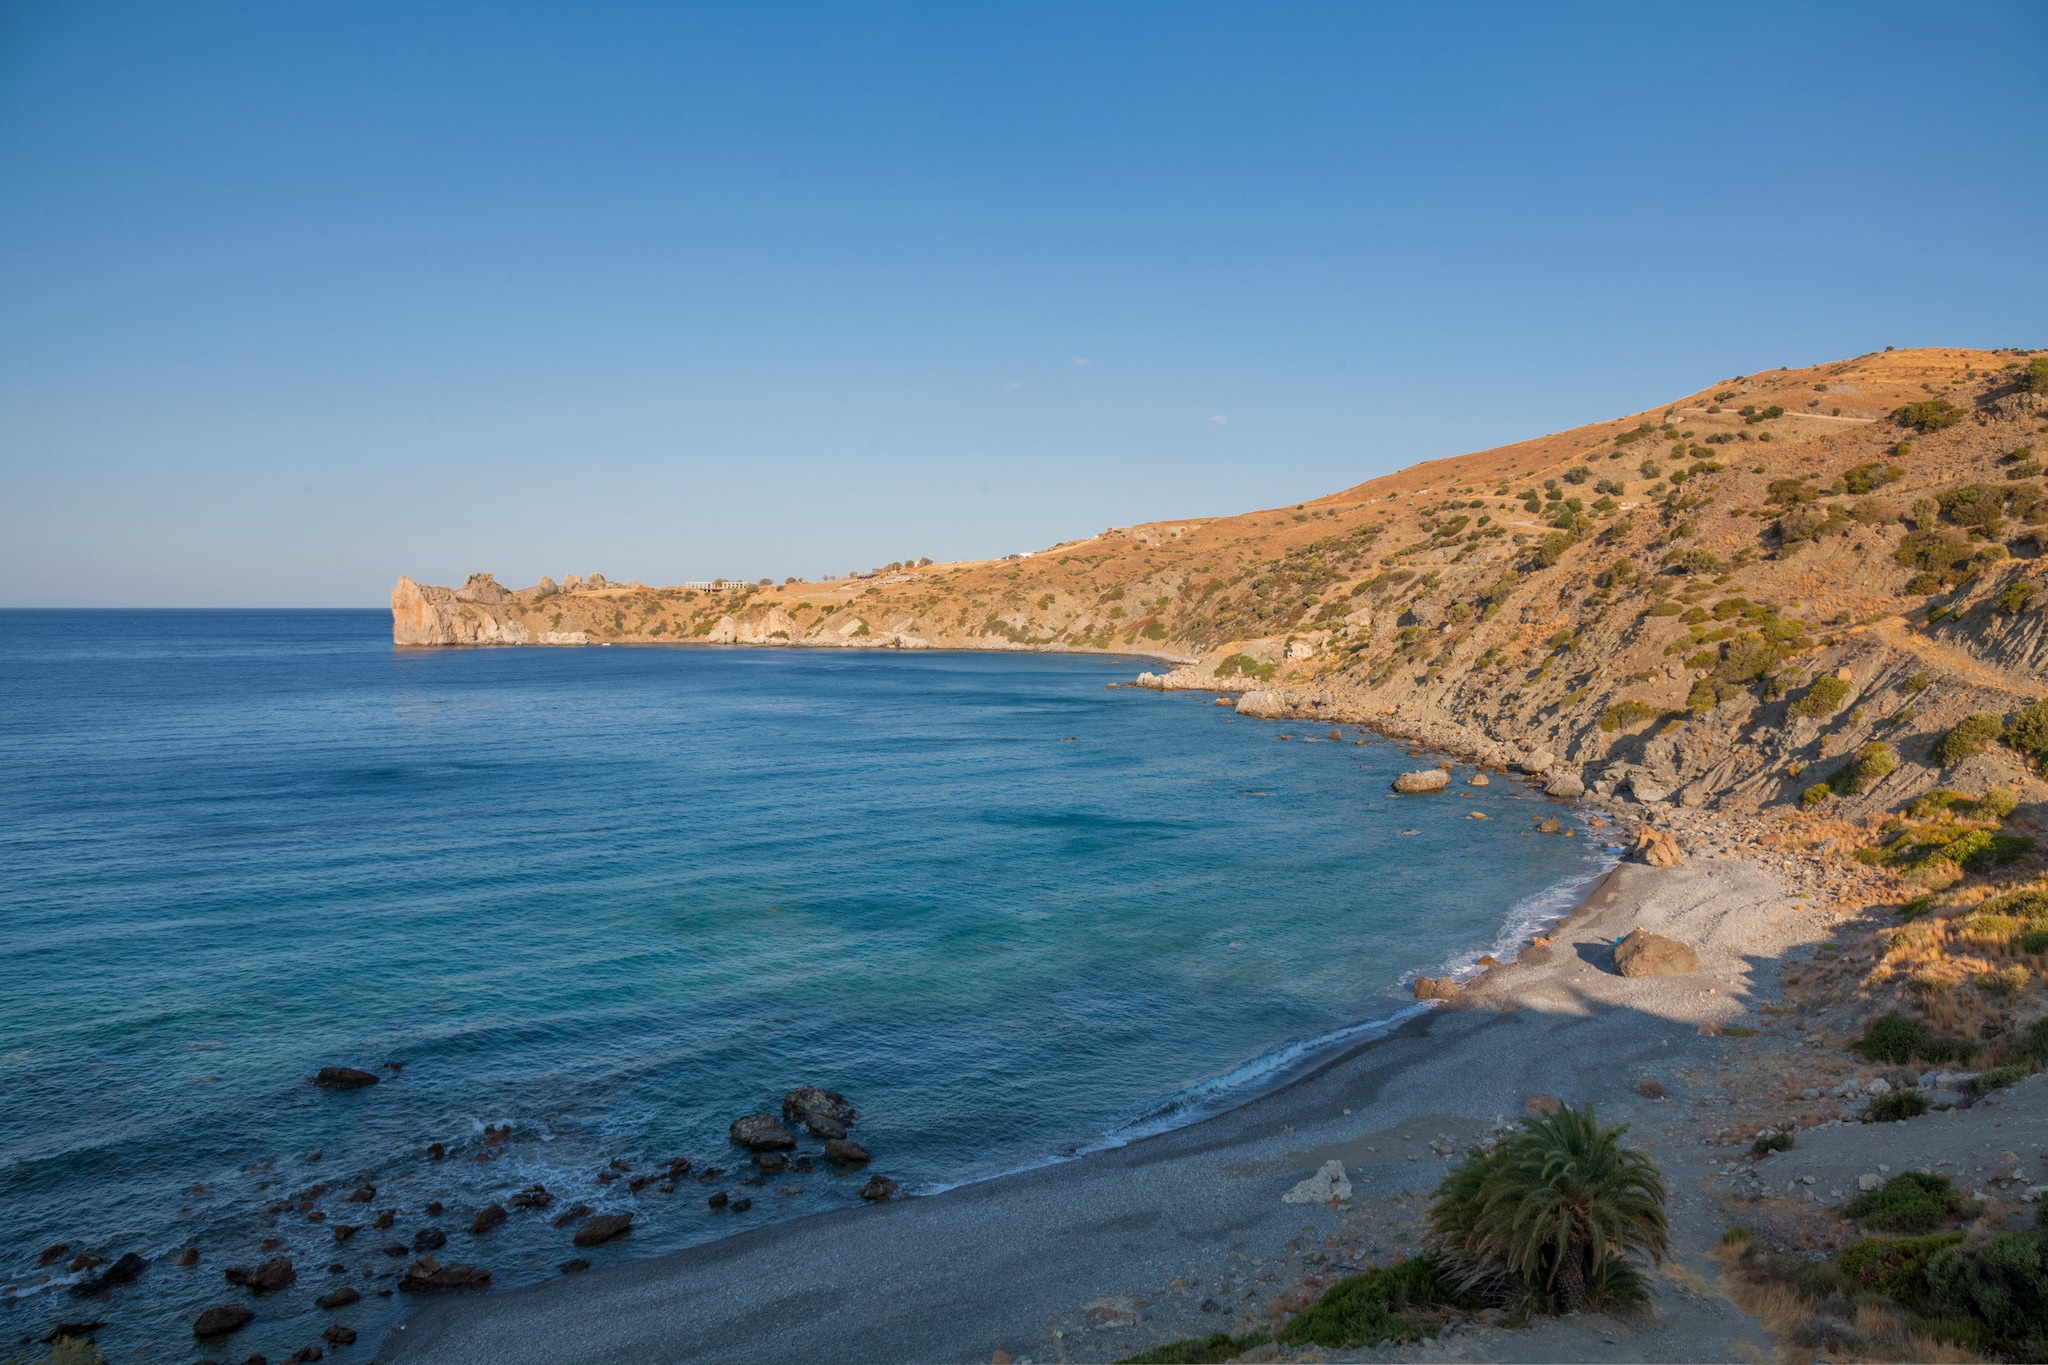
[1787, 587]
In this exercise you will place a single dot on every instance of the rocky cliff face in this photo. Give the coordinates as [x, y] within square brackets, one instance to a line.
[1726, 600]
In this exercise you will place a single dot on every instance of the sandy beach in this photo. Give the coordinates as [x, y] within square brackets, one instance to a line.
[1187, 1233]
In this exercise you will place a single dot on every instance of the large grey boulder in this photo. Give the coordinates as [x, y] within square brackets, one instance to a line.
[1427, 780]
[1566, 785]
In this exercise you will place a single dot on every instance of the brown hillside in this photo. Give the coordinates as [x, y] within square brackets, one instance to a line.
[1647, 597]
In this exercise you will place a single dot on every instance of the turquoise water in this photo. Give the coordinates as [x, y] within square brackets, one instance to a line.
[616, 898]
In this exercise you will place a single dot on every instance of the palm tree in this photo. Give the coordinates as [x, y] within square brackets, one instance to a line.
[1553, 1211]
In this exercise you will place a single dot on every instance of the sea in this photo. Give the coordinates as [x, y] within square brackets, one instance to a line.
[580, 908]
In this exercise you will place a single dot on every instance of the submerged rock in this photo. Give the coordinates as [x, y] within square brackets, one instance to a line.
[222, 1319]
[570, 1215]
[486, 1219]
[1643, 953]
[343, 1078]
[846, 1152]
[340, 1298]
[761, 1133]
[826, 1113]
[266, 1278]
[123, 1271]
[428, 1273]
[603, 1228]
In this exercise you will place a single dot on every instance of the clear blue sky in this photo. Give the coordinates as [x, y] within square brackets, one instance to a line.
[297, 298]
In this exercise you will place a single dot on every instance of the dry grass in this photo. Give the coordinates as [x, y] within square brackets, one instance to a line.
[1817, 1321]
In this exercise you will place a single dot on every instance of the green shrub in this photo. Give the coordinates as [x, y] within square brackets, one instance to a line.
[1909, 1202]
[2003, 1281]
[1402, 1302]
[2028, 731]
[2017, 597]
[1776, 1142]
[1664, 609]
[1814, 795]
[1217, 1346]
[1972, 735]
[1999, 1077]
[1868, 478]
[2033, 941]
[1898, 1041]
[1932, 548]
[2004, 981]
[1824, 698]
[2034, 378]
[1874, 762]
[1916, 907]
[1552, 1212]
[1996, 804]
[2034, 1042]
[1923, 584]
[1900, 1104]
[1625, 713]
[1930, 414]
[1896, 1269]
[1244, 664]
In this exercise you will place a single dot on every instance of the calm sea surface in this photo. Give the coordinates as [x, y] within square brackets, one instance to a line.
[616, 898]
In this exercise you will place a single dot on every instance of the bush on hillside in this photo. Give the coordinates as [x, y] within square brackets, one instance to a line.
[1217, 1346]
[1868, 478]
[2003, 1281]
[1972, 735]
[1899, 1041]
[1900, 1104]
[1930, 414]
[1824, 698]
[2034, 378]
[1911, 1202]
[1549, 1216]
[1896, 1269]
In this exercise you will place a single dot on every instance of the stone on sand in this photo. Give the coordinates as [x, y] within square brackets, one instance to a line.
[1643, 953]
[1326, 1184]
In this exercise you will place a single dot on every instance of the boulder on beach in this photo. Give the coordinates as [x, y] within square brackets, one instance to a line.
[1326, 1184]
[761, 1133]
[1658, 848]
[343, 1078]
[1647, 789]
[603, 1228]
[825, 1113]
[1426, 780]
[1566, 785]
[879, 1189]
[222, 1319]
[1435, 988]
[428, 1273]
[1538, 762]
[1643, 953]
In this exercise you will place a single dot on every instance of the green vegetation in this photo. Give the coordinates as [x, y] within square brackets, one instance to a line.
[1664, 609]
[1899, 1041]
[1776, 1142]
[1405, 1301]
[2034, 378]
[1972, 735]
[2003, 1283]
[1900, 1104]
[1551, 1213]
[1999, 1077]
[1217, 1346]
[1896, 1269]
[1868, 478]
[1625, 713]
[2028, 731]
[1824, 698]
[1245, 665]
[1930, 414]
[1815, 794]
[1874, 761]
[1909, 1202]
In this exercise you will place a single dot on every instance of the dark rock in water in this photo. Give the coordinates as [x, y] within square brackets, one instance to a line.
[603, 1228]
[641, 1182]
[621, 1165]
[802, 1163]
[607, 1177]
[428, 1273]
[77, 1331]
[266, 1278]
[1550, 826]
[770, 1163]
[434, 1207]
[719, 1200]
[710, 1175]
[85, 1260]
[761, 1133]
[846, 1152]
[281, 1206]
[571, 1214]
[304, 1355]
[755, 1180]
[123, 1271]
[344, 1231]
[343, 1078]
[437, 1151]
[826, 1113]
[258, 1359]
[741, 1205]
[337, 1269]
[532, 1197]
[574, 1265]
[54, 1253]
[667, 1187]
[189, 1256]
[429, 1239]
[384, 1219]
[678, 1167]
[486, 1219]
[362, 1194]
[880, 1189]
[340, 1298]
[395, 1249]
[338, 1335]
[222, 1319]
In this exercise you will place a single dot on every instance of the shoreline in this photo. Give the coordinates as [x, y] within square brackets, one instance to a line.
[1521, 1028]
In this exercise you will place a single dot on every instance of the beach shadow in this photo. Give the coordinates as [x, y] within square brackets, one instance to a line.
[1599, 955]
